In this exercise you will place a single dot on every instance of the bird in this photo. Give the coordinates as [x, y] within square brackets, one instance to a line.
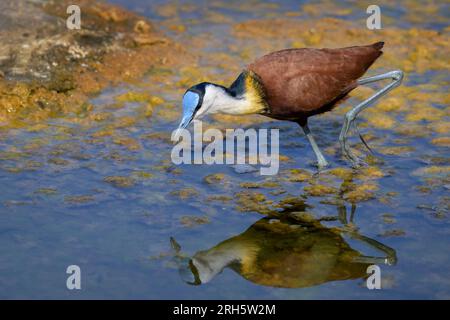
[293, 85]
[286, 252]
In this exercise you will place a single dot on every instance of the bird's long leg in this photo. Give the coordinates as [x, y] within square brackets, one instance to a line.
[321, 162]
[396, 77]
[390, 257]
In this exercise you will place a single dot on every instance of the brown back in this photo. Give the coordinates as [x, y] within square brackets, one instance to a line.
[302, 82]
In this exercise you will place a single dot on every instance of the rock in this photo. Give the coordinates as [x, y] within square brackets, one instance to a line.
[58, 69]
[142, 26]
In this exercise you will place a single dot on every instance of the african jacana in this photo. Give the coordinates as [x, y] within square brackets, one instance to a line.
[294, 84]
[286, 252]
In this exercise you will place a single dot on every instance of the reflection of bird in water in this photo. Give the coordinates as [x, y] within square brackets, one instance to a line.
[293, 85]
[285, 252]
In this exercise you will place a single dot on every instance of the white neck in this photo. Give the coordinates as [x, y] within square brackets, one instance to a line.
[211, 262]
[218, 100]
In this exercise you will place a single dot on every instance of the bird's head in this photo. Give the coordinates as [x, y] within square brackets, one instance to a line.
[245, 96]
[193, 104]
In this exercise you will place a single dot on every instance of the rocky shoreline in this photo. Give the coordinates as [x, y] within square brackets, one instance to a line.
[48, 70]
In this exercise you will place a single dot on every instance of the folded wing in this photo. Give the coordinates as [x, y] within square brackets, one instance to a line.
[306, 81]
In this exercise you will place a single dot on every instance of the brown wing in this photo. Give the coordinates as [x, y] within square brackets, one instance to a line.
[304, 81]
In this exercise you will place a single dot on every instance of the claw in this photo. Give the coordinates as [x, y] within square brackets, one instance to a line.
[322, 165]
[319, 171]
[362, 138]
[356, 162]
[347, 153]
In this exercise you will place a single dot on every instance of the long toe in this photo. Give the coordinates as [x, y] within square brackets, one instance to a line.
[358, 162]
[320, 171]
[322, 165]
[319, 164]
[347, 153]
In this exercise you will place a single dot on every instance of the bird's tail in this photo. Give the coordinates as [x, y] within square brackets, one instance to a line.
[370, 53]
[378, 45]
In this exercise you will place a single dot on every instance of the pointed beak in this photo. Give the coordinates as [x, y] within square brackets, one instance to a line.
[189, 273]
[186, 269]
[187, 119]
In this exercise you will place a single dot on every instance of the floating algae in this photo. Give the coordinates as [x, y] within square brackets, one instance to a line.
[130, 143]
[318, 190]
[79, 199]
[248, 201]
[256, 185]
[217, 178]
[46, 191]
[143, 175]
[360, 193]
[388, 218]
[185, 193]
[120, 181]
[220, 198]
[442, 141]
[298, 175]
[59, 161]
[192, 221]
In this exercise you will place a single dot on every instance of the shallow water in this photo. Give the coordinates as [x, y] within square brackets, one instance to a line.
[104, 195]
